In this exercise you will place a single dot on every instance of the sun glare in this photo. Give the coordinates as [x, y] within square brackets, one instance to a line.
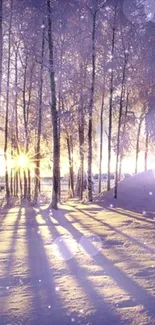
[23, 161]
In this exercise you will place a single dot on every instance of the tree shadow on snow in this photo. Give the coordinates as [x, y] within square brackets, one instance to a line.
[141, 296]
[104, 311]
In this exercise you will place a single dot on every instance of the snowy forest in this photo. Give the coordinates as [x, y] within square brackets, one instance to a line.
[77, 162]
[76, 93]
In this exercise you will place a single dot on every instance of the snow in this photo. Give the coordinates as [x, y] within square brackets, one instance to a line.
[104, 272]
[136, 193]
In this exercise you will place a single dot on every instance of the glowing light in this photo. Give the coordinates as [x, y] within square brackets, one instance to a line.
[73, 319]
[57, 289]
[23, 161]
[65, 247]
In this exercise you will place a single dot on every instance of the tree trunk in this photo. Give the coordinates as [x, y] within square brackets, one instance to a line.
[137, 144]
[71, 172]
[101, 144]
[146, 149]
[119, 125]
[20, 183]
[90, 123]
[81, 144]
[37, 168]
[29, 185]
[111, 100]
[7, 109]
[56, 147]
[123, 132]
[16, 101]
[25, 184]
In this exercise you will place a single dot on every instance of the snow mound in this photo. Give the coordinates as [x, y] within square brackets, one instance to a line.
[136, 193]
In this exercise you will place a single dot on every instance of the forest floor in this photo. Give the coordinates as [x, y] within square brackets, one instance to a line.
[87, 264]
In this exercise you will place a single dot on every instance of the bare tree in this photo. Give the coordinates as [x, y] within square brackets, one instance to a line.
[56, 143]
[7, 107]
[120, 122]
[111, 97]
[37, 155]
[101, 136]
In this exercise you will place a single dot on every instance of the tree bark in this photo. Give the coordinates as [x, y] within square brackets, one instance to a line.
[137, 142]
[7, 109]
[56, 147]
[111, 100]
[146, 149]
[123, 132]
[37, 156]
[119, 125]
[90, 123]
[71, 171]
[101, 142]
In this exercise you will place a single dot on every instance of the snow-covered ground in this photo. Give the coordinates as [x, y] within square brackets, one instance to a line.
[91, 264]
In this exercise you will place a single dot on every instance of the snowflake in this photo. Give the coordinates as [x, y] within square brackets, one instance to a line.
[111, 205]
[57, 289]
[150, 193]
[73, 319]
[49, 306]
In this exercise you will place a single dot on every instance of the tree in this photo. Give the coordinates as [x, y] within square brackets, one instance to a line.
[56, 146]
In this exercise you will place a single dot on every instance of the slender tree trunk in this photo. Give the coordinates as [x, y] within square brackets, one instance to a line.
[81, 122]
[29, 184]
[59, 137]
[123, 132]
[7, 109]
[81, 144]
[56, 147]
[111, 100]
[101, 143]
[137, 144]
[25, 184]
[71, 172]
[146, 149]
[20, 183]
[37, 169]
[16, 101]
[90, 123]
[119, 126]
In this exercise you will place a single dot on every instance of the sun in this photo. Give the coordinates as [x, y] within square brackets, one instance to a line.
[23, 161]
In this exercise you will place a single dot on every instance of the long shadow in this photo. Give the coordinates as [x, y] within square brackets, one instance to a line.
[12, 244]
[3, 215]
[43, 292]
[8, 278]
[105, 224]
[115, 251]
[132, 216]
[141, 296]
[104, 311]
[106, 206]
